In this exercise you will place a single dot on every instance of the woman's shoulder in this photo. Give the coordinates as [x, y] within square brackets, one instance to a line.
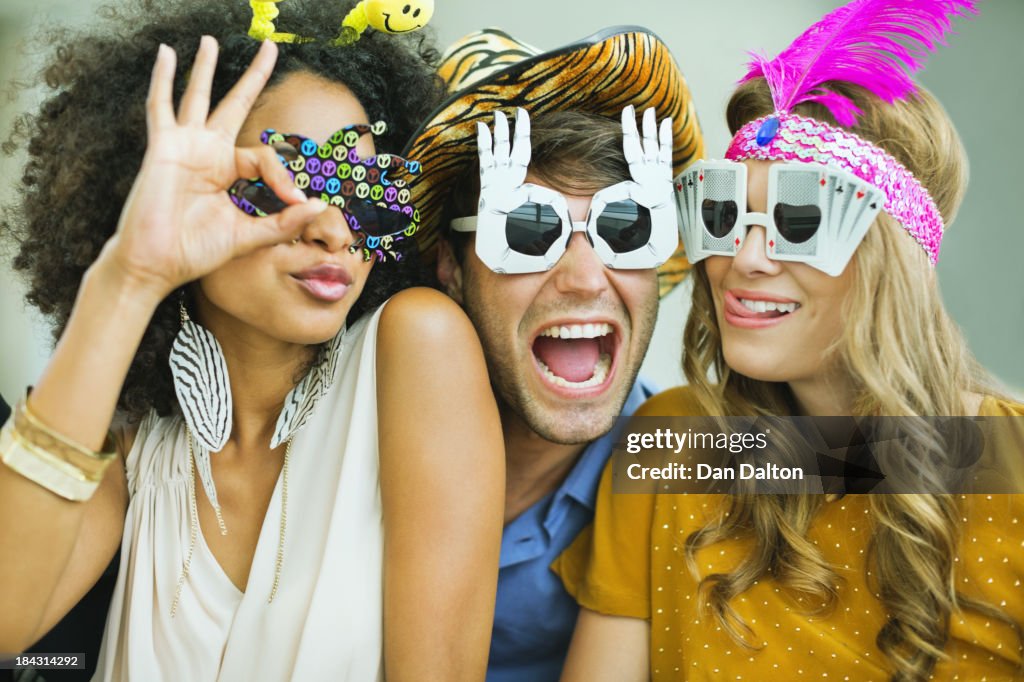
[680, 401]
[995, 406]
[125, 430]
[422, 315]
[424, 332]
[1001, 467]
[150, 447]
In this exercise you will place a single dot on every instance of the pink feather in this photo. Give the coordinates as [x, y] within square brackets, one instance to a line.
[875, 44]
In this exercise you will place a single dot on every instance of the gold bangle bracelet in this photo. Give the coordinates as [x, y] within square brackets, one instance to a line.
[29, 427]
[93, 471]
[46, 469]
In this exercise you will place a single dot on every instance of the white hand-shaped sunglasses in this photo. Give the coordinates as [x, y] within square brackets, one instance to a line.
[522, 227]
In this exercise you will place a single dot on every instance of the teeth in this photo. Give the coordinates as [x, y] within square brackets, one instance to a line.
[578, 331]
[768, 306]
[604, 363]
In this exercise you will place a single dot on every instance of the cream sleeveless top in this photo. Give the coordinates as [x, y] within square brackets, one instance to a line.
[325, 622]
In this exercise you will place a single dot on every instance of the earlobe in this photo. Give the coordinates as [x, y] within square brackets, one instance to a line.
[449, 271]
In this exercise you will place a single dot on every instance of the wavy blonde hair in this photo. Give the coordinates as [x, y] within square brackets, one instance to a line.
[894, 305]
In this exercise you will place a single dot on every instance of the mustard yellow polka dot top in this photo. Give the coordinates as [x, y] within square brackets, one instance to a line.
[631, 562]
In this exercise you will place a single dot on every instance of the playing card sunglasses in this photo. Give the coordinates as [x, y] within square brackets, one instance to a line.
[815, 214]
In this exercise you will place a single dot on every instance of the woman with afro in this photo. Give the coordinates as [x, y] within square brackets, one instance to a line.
[230, 402]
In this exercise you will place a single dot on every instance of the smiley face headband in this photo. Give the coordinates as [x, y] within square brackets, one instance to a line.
[375, 202]
[386, 16]
[522, 227]
[876, 45]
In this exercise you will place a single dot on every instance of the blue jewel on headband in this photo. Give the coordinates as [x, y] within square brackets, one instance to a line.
[768, 130]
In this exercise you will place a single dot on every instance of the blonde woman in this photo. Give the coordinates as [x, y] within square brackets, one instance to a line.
[794, 319]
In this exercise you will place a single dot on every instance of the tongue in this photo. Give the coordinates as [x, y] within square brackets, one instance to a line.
[571, 359]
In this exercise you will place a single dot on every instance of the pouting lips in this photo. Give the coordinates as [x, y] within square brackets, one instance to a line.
[326, 282]
[576, 355]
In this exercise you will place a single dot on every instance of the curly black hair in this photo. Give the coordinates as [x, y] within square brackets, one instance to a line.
[86, 142]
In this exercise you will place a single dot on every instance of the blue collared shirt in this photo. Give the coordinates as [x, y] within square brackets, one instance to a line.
[534, 616]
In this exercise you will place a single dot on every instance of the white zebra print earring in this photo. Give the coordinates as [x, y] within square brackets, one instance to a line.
[301, 400]
[200, 376]
[201, 383]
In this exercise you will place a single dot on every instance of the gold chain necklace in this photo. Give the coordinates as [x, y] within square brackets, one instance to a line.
[193, 523]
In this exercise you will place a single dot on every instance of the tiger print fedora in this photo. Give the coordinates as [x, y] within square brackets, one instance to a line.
[600, 74]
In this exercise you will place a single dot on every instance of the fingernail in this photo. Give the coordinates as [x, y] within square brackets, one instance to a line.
[299, 194]
[319, 205]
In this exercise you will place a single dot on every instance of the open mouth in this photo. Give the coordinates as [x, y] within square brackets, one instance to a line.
[576, 356]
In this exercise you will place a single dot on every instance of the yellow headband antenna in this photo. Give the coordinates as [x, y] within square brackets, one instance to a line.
[386, 16]
[262, 26]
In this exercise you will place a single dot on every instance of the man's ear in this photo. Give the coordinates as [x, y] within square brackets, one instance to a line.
[449, 271]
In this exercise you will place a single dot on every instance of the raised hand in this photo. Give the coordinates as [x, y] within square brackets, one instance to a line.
[650, 161]
[178, 223]
[503, 167]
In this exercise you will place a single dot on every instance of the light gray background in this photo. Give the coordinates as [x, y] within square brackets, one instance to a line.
[978, 78]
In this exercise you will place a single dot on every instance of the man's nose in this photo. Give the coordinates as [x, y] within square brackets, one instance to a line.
[580, 271]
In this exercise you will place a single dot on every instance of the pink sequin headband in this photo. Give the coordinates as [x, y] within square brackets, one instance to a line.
[875, 45]
[788, 137]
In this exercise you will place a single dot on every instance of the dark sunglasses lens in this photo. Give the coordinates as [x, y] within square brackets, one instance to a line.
[625, 225]
[374, 220]
[532, 228]
[719, 217]
[253, 194]
[286, 151]
[797, 224]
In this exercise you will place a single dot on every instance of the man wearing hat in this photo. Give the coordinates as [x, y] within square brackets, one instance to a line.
[564, 318]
